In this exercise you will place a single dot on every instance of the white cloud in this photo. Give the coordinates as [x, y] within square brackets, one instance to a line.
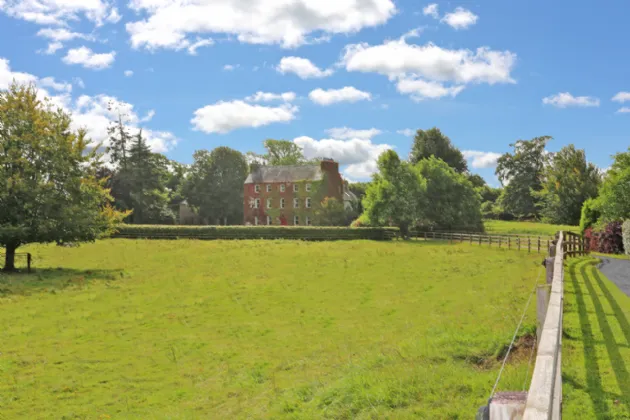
[270, 97]
[230, 67]
[332, 96]
[421, 89]
[481, 159]
[114, 16]
[623, 110]
[57, 12]
[169, 23]
[397, 58]
[407, 132]
[223, 117]
[128, 73]
[7, 76]
[51, 83]
[345, 133]
[621, 97]
[89, 59]
[460, 19]
[431, 10]
[565, 99]
[192, 48]
[62, 35]
[302, 67]
[52, 48]
[79, 82]
[360, 155]
[149, 116]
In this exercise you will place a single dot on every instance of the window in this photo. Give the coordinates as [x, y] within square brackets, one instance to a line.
[282, 203]
[296, 188]
[296, 220]
[256, 220]
[282, 187]
[308, 221]
[307, 202]
[308, 187]
[268, 187]
[257, 188]
[269, 220]
[257, 203]
[296, 203]
[269, 203]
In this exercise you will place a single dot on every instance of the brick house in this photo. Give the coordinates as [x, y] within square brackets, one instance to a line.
[289, 195]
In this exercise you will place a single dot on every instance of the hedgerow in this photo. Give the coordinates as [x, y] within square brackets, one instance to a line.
[626, 236]
[311, 233]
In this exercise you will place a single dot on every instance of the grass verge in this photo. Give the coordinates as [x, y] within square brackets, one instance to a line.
[596, 346]
[261, 329]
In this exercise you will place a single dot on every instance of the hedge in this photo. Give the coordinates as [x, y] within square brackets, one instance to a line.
[309, 233]
[626, 236]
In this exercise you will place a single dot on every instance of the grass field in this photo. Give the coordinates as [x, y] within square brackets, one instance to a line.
[261, 329]
[525, 228]
[596, 346]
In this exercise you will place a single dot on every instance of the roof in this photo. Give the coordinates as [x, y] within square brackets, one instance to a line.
[269, 174]
[349, 195]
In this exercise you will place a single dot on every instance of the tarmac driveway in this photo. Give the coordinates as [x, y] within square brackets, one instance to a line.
[617, 271]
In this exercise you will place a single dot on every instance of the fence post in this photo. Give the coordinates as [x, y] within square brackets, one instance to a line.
[529, 244]
[28, 262]
[499, 242]
[479, 239]
[518, 243]
[509, 243]
[489, 240]
[471, 238]
[539, 244]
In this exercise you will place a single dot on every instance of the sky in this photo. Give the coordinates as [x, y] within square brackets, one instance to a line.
[345, 79]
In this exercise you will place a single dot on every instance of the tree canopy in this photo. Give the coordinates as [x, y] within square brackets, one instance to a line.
[521, 172]
[433, 143]
[48, 186]
[615, 190]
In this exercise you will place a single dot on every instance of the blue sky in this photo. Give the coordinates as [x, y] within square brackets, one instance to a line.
[342, 78]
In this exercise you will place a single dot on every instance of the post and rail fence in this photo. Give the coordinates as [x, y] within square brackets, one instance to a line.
[539, 244]
[24, 255]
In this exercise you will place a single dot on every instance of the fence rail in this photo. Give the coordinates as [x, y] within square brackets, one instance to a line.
[530, 243]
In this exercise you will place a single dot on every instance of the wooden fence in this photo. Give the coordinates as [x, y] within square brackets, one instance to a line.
[24, 255]
[538, 244]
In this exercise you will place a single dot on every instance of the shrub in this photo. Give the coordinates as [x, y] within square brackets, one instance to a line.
[626, 236]
[311, 233]
[607, 241]
[590, 214]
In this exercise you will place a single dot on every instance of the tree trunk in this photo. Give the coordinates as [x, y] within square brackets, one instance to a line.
[9, 258]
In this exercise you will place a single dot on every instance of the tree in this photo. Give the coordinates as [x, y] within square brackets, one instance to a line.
[48, 188]
[433, 143]
[615, 191]
[522, 174]
[569, 180]
[452, 201]
[214, 186]
[331, 212]
[396, 195]
[477, 180]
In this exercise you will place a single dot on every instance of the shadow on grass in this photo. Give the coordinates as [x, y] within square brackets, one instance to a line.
[53, 280]
[620, 370]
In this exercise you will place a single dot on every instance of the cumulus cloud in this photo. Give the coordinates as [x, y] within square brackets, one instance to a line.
[89, 59]
[62, 34]
[623, 110]
[407, 132]
[345, 133]
[431, 10]
[565, 99]
[128, 73]
[58, 12]
[170, 23]
[429, 71]
[58, 86]
[192, 48]
[223, 117]
[7, 75]
[481, 159]
[621, 97]
[270, 97]
[52, 48]
[358, 155]
[460, 19]
[79, 82]
[230, 67]
[333, 96]
[302, 67]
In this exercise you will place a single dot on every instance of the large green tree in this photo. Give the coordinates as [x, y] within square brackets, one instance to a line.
[433, 143]
[214, 186]
[521, 172]
[453, 202]
[568, 181]
[615, 192]
[396, 195]
[48, 188]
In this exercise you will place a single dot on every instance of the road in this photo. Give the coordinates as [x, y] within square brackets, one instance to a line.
[617, 271]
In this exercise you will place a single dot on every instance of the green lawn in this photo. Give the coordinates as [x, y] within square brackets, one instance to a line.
[596, 347]
[526, 228]
[261, 329]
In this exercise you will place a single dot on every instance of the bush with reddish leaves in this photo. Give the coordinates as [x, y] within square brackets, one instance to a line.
[608, 241]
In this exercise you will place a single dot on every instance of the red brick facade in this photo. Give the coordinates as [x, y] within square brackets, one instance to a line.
[266, 201]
